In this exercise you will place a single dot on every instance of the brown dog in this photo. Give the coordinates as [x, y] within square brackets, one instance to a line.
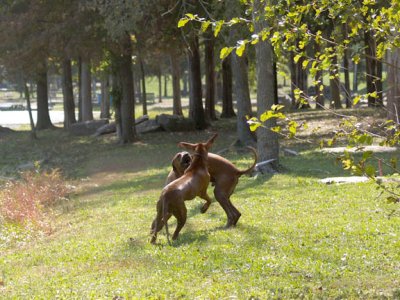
[192, 183]
[224, 176]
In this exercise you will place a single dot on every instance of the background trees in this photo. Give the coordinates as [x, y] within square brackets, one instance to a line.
[314, 47]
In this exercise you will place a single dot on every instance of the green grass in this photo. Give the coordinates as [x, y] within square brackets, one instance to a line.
[297, 238]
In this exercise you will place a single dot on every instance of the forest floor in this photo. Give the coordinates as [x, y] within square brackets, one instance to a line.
[297, 237]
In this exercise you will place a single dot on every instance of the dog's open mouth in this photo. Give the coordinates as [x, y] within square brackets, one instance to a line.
[186, 160]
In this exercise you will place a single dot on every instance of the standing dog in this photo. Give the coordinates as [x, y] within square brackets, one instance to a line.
[224, 176]
[192, 183]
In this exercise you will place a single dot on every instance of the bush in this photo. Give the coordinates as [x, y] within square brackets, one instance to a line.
[28, 201]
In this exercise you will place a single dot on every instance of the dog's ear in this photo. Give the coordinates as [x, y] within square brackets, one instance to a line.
[211, 141]
[187, 146]
[176, 160]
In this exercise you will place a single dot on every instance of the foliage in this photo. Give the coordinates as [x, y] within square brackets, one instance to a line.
[27, 201]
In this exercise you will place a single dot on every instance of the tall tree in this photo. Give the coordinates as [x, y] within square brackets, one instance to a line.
[86, 87]
[393, 97]
[69, 104]
[176, 87]
[210, 75]
[227, 102]
[267, 140]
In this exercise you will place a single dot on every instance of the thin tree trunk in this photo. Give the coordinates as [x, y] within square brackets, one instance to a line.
[176, 87]
[243, 104]
[165, 85]
[355, 78]
[116, 92]
[159, 86]
[319, 86]
[28, 104]
[197, 110]
[370, 67]
[43, 116]
[69, 105]
[105, 97]
[335, 83]
[346, 70]
[267, 140]
[127, 100]
[393, 80]
[210, 76]
[80, 89]
[87, 108]
[227, 101]
[144, 97]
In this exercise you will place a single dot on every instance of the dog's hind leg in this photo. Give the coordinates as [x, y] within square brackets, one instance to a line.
[207, 204]
[232, 213]
[180, 213]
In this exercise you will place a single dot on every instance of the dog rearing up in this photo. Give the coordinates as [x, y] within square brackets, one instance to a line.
[194, 182]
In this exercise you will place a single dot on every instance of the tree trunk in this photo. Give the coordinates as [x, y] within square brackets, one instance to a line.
[374, 84]
[393, 80]
[116, 92]
[159, 85]
[165, 85]
[105, 97]
[80, 89]
[43, 116]
[298, 81]
[197, 110]
[87, 109]
[28, 104]
[267, 140]
[144, 97]
[334, 83]
[69, 105]
[176, 87]
[227, 102]
[243, 104]
[185, 83]
[128, 132]
[346, 70]
[355, 78]
[209, 42]
[319, 86]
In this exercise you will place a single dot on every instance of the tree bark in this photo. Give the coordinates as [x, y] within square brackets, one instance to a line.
[176, 87]
[69, 104]
[87, 108]
[165, 85]
[128, 132]
[29, 107]
[393, 80]
[334, 83]
[267, 140]
[43, 116]
[346, 70]
[159, 85]
[197, 110]
[227, 101]
[80, 89]
[209, 42]
[374, 80]
[105, 97]
[144, 96]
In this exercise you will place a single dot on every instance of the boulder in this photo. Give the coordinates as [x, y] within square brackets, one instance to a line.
[87, 127]
[175, 123]
[148, 127]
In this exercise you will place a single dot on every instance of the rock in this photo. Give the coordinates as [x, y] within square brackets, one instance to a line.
[111, 127]
[148, 126]
[175, 123]
[350, 179]
[87, 127]
[373, 148]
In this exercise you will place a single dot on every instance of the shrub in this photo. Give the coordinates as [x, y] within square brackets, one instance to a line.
[28, 201]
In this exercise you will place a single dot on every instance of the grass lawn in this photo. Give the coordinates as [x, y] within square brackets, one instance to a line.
[297, 238]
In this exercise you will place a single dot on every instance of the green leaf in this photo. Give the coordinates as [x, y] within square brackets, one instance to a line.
[225, 52]
[240, 49]
[254, 123]
[218, 27]
[356, 100]
[182, 22]
[296, 58]
[205, 25]
[190, 16]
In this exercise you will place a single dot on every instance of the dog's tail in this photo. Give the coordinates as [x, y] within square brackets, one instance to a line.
[165, 219]
[248, 170]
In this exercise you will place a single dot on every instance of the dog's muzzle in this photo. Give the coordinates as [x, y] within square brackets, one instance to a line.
[186, 160]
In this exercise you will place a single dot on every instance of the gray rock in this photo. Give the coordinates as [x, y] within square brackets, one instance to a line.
[175, 123]
[87, 127]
